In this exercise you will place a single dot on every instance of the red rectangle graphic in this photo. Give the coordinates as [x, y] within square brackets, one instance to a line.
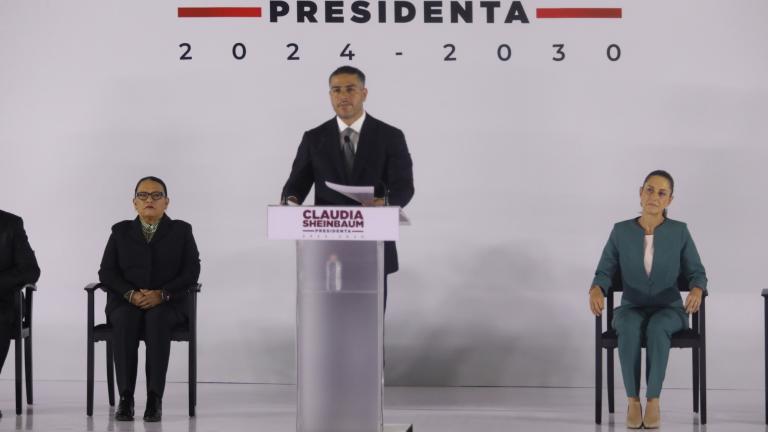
[578, 13]
[219, 12]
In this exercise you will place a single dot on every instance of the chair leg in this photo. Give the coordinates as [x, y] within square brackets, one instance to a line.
[609, 369]
[598, 383]
[110, 374]
[703, 383]
[28, 366]
[89, 378]
[695, 368]
[17, 353]
[192, 377]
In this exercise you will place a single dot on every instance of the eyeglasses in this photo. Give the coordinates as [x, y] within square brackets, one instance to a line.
[145, 195]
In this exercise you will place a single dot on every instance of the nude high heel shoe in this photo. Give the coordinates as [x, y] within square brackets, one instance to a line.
[634, 415]
[652, 419]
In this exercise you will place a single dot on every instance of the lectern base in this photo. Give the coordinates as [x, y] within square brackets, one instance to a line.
[398, 428]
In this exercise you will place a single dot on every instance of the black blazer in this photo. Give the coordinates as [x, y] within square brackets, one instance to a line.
[382, 160]
[18, 265]
[169, 262]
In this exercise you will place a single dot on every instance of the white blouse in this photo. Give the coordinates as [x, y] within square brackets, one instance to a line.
[648, 255]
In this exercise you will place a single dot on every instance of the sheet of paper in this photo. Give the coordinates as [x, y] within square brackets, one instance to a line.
[361, 194]
[404, 219]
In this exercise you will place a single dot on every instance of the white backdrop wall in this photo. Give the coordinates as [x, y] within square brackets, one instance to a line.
[521, 168]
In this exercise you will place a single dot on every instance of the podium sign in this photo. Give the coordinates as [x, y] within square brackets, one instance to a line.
[333, 223]
[339, 312]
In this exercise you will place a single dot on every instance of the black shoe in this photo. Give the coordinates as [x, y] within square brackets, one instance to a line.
[154, 411]
[124, 409]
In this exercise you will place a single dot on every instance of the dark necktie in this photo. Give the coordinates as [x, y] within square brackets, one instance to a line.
[348, 147]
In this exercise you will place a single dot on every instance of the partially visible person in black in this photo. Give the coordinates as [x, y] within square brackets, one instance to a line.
[148, 265]
[18, 267]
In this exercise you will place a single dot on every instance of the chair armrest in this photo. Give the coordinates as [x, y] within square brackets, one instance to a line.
[26, 304]
[192, 311]
[698, 318]
[196, 288]
[91, 287]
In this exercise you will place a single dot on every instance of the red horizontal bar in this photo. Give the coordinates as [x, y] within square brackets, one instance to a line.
[578, 13]
[219, 12]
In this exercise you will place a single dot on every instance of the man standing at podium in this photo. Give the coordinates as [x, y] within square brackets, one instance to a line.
[356, 149]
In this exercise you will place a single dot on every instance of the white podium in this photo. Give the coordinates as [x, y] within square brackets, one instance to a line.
[339, 313]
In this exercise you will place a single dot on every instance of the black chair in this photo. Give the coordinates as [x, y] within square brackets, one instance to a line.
[103, 332]
[23, 331]
[694, 338]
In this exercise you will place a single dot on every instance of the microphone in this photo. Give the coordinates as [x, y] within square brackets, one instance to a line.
[346, 139]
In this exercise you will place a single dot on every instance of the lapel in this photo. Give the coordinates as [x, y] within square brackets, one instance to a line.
[640, 251]
[136, 231]
[163, 229]
[332, 147]
[660, 250]
[368, 135]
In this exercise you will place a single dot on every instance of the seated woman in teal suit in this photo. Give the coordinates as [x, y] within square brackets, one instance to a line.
[652, 251]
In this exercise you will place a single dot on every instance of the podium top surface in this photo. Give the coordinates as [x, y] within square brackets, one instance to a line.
[353, 223]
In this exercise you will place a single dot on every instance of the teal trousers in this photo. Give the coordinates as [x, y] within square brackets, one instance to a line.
[655, 325]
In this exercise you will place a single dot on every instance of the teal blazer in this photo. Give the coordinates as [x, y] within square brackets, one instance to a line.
[674, 255]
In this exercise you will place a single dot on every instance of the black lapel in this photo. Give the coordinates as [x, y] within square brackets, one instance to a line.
[136, 231]
[163, 229]
[332, 146]
[368, 136]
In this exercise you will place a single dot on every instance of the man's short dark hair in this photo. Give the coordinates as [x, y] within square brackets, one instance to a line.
[348, 70]
[154, 179]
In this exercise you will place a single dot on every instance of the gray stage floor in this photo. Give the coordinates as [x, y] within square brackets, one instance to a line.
[60, 406]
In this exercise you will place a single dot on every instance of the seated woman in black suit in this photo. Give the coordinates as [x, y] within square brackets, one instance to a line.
[148, 265]
[18, 266]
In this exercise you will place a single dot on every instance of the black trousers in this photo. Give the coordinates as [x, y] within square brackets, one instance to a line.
[5, 342]
[129, 325]
[7, 319]
[385, 292]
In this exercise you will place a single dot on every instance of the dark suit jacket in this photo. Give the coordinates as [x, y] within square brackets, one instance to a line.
[18, 265]
[382, 160]
[169, 262]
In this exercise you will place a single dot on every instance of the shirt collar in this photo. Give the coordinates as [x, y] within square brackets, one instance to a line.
[149, 227]
[356, 126]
